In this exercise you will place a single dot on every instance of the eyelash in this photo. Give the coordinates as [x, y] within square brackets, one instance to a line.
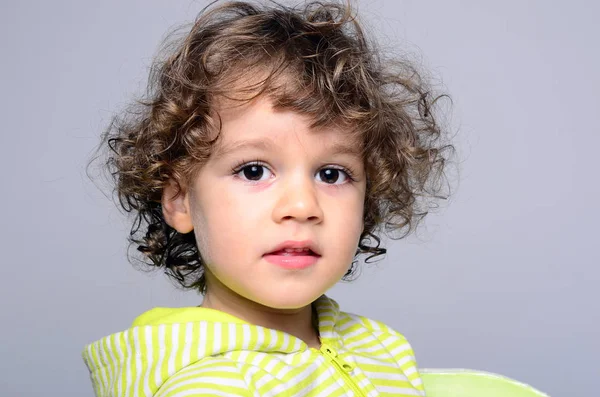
[243, 164]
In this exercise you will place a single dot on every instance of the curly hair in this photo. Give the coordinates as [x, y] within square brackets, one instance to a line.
[316, 61]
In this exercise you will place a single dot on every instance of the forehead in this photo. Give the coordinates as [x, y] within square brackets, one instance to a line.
[259, 125]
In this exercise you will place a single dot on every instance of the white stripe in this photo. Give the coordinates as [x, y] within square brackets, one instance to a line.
[364, 383]
[187, 344]
[232, 337]
[99, 371]
[174, 347]
[262, 380]
[286, 342]
[399, 390]
[249, 373]
[270, 365]
[120, 363]
[195, 372]
[113, 367]
[198, 369]
[149, 352]
[344, 327]
[161, 342]
[217, 338]
[370, 323]
[321, 378]
[359, 332]
[333, 387]
[202, 340]
[138, 359]
[358, 345]
[374, 361]
[96, 367]
[129, 361]
[242, 356]
[198, 392]
[297, 344]
[402, 348]
[404, 360]
[245, 336]
[273, 341]
[258, 359]
[319, 362]
[398, 375]
[207, 381]
[386, 339]
[260, 331]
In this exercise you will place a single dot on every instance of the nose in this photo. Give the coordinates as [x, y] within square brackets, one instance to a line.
[298, 200]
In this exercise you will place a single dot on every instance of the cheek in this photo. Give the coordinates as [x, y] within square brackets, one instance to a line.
[346, 220]
[224, 227]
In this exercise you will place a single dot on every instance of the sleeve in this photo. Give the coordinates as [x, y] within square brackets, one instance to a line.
[212, 378]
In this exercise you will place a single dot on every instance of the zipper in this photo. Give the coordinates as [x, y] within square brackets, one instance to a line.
[343, 367]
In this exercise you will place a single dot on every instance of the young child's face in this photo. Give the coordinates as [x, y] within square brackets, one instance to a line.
[296, 192]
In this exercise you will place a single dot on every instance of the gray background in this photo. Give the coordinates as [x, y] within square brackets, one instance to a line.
[504, 279]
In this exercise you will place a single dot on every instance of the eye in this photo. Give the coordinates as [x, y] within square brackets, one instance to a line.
[332, 175]
[254, 172]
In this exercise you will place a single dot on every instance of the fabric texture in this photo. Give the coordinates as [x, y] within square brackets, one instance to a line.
[202, 352]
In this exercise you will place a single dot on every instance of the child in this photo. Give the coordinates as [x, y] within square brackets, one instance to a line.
[275, 146]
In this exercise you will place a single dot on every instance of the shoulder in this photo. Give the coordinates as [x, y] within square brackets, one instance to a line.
[350, 326]
[377, 340]
[349, 322]
[346, 324]
[211, 376]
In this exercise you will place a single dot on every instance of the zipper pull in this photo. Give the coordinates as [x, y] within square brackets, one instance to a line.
[333, 357]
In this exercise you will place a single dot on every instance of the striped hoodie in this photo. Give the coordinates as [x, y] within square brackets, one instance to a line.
[203, 352]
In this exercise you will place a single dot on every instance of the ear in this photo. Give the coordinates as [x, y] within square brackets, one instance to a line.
[176, 207]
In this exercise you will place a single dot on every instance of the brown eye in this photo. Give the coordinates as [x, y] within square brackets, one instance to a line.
[332, 175]
[253, 172]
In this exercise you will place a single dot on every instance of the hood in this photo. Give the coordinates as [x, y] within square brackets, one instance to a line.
[163, 341]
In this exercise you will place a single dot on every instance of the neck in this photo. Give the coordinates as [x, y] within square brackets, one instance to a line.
[296, 322]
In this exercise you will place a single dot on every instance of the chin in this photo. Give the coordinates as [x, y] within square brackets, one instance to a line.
[288, 300]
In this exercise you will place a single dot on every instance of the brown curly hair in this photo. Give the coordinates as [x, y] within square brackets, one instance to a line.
[316, 61]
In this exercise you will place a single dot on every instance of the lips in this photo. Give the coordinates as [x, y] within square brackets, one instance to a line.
[294, 252]
[294, 255]
[295, 248]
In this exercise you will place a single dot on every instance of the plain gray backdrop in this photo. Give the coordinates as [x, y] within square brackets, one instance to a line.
[505, 278]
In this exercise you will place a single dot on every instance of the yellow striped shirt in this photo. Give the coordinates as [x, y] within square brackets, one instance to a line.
[203, 352]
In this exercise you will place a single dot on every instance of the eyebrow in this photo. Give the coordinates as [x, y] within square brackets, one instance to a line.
[266, 144]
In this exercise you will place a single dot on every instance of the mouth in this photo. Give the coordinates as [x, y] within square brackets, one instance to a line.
[292, 260]
[296, 248]
[294, 252]
[294, 255]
